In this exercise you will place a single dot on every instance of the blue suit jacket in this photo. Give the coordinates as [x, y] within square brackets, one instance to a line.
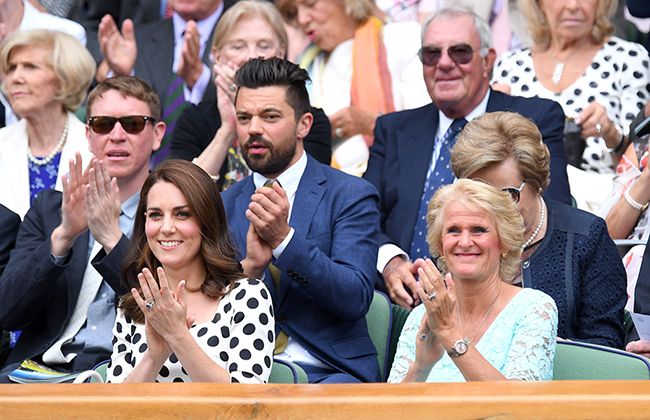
[401, 154]
[328, 267]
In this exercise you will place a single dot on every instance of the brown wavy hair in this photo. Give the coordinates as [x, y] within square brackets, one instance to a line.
[217, 250]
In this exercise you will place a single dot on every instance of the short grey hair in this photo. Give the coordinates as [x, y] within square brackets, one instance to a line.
[481, 26]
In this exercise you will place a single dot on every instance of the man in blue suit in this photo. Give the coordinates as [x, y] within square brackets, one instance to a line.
[457, 63]
[310, 233]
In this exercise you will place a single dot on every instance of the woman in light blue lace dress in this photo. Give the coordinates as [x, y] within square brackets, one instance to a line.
[473, 325]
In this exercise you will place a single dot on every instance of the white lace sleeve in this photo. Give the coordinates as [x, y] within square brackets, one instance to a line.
[405, 353]
[533, 342]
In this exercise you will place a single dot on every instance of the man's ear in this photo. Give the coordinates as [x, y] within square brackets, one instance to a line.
[158, 133]
[489, 61]
[304, 125]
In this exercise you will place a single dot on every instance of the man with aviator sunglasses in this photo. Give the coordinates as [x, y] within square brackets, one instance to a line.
[60, 284]
[410, 157]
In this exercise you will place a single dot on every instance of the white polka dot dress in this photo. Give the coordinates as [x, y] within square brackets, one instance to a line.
[240, 338]
[617, 79]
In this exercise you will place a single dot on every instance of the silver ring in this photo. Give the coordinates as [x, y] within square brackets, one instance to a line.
[232, 87]
[432, 296]
[149, 305]
[599, 128]
[338, 132]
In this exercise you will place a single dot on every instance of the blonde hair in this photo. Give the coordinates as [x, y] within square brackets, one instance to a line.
[359, 10]
[540, 30]
[496, 136]
[479, 196]
[250, 8]
[71, 62]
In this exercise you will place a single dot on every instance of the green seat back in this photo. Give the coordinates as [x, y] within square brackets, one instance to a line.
[287, 373]
[378, 319]
[584, 361]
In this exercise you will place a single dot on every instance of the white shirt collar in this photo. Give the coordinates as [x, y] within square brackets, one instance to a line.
[289, 179]
[444, 122]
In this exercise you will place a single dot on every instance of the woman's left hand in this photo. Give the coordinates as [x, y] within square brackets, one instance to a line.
[351, 121]
[438, 297]
[594, 122]
[164, 310]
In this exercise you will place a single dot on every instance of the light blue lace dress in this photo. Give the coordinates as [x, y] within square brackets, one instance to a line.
[520, 342]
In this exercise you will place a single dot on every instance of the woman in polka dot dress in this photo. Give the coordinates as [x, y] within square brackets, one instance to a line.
[190, 316]
[601, 81]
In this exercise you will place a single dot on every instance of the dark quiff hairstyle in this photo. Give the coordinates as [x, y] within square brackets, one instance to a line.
[265, 72]
[219, 255]
[128, 86]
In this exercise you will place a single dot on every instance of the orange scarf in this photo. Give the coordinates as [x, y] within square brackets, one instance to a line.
[371, 88]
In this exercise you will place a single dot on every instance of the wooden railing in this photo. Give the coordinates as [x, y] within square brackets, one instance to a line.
[559, 399]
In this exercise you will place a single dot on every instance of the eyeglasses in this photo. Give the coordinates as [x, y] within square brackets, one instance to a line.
[460, 54]
[515, 193]
[132, 124]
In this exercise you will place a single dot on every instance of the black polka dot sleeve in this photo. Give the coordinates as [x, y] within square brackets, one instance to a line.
[240, 338]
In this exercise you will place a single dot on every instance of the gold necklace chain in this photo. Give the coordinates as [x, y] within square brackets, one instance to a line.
[460, 316]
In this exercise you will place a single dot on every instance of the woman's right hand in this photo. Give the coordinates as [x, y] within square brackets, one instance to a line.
[165, 312]
[438, 297]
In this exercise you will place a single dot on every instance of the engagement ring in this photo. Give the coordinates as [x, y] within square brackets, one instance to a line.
[338, 132]
[149, 305]
[432, 296]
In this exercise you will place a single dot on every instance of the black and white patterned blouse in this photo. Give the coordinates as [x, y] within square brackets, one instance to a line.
[240, 338]
[617, 79]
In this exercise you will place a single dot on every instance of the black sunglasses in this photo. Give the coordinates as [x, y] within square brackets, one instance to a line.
[460, 54]
[132, 124]
[515, 193]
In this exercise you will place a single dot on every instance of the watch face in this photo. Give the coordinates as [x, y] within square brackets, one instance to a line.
[461, 347]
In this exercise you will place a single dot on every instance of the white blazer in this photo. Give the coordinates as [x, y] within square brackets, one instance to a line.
[14, 172]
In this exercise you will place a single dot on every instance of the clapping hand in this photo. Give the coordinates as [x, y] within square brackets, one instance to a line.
[438, 297]
[190, 66]
[73, 208]
[103, 206]
[119, 48]
[165, 311]
[268, 212]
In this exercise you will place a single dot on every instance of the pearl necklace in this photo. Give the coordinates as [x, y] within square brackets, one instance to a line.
[47, 159]
[542, 214]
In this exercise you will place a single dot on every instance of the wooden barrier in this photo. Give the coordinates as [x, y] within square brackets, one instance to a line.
[502, 400]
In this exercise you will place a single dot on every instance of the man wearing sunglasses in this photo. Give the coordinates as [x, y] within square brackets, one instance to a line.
[410, 157]
[61, 281]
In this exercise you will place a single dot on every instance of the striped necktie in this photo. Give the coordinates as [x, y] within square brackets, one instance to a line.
[173, 107]
[439, 176]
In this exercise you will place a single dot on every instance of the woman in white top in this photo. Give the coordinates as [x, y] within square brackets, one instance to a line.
[360, 68]
[46, 77]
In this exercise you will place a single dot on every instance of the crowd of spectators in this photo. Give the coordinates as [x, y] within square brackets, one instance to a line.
[194, 188]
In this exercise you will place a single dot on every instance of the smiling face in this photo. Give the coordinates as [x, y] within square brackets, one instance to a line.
[243, 43]
[456, 89]
[173, 234]
[30, 81]
[570, 20]
[470, 243]
[125, 155]
[266, 125]
[325, 22]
